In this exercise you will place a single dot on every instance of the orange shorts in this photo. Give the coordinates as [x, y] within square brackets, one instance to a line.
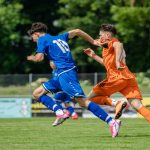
[128, 87]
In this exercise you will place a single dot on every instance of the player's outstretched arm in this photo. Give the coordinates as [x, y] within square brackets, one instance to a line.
[119, 52]
[36, 58]
[92, 54]
[82, 34]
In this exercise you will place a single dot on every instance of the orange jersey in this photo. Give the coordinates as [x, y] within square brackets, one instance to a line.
[109, 60]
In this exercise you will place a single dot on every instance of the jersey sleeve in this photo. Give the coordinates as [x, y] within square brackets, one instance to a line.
[41, 44]
[65, 36]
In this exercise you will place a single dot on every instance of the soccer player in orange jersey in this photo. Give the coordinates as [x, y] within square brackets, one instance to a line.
[119, 78]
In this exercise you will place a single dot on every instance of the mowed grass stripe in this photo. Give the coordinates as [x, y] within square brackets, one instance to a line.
[83, 134]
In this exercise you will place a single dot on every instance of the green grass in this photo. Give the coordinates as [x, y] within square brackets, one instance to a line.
[83, 134]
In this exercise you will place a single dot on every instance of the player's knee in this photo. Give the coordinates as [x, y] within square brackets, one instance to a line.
[83, 102]
[38, 92]
[35, 94]
[82, 105]
[135, 103]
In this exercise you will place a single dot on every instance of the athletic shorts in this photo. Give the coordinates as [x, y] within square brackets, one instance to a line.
[52, 86]
[128, 87]
[70, 84]
[62, 97]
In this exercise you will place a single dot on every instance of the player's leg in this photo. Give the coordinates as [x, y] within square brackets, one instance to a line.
[40, 94]
[138, 106]
[134, 97]
[70, 109]
[62, 97]
[71, 86]
[101, 114]
[101, 92]
[105, 100]
[58, 98]
[73, 114]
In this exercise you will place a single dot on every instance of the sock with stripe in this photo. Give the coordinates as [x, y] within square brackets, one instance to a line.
[50, 104]
[70, 109]
[99, 112]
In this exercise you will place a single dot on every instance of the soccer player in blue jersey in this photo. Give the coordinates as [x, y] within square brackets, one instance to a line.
[61, 97]
[56, 49]
[53, 86]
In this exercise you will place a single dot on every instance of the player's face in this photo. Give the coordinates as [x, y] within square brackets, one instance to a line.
[103, 35]
[35, 36]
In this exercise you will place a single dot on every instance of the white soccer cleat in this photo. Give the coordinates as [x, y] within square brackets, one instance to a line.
[114, 128]
[60, 119]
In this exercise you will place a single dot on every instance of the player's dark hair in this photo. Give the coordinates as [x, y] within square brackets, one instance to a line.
[38, 27]
[108, 27]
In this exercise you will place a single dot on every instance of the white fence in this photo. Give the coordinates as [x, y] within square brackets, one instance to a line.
[20, 86]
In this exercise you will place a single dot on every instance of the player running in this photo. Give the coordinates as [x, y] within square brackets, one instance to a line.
[119, 78]
[56, 49]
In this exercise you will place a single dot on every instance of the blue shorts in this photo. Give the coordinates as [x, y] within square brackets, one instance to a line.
[52, 86]
[70, 84]
[62, 97]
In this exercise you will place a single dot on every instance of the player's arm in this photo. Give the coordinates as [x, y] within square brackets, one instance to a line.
[92, 54]
[82, 34]
[118, 47]
[38, 57]
[123, 57]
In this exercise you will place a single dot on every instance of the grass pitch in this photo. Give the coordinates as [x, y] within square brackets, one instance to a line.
[83, 134]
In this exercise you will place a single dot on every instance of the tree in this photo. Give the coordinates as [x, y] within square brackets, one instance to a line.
[10, 18]
[133, 24]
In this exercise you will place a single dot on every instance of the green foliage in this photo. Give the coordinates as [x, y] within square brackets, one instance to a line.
[143, 79]
[132, 21]
[130, 16]
[10, 20]
[133, 24]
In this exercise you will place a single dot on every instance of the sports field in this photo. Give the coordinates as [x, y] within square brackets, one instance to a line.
[83, 134]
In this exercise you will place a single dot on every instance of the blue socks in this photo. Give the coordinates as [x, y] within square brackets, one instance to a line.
[58, 103]
[70, 109]
[99, 112]
[49, 103]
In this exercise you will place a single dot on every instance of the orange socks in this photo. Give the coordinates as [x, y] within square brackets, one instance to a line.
[145, 113]
[102, 100]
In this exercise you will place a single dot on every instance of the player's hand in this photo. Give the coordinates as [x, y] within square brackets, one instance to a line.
[89, 52]
[97, 42]
[121, 68]
[101, 42]
[31, 57]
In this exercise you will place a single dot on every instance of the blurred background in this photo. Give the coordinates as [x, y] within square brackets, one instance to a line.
[18, 77]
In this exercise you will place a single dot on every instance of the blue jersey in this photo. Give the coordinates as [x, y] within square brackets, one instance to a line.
[56, 49]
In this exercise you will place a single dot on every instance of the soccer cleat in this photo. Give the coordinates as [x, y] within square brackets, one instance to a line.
[119, 108]
[74, 116]
[60, 119]
[114, 128]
